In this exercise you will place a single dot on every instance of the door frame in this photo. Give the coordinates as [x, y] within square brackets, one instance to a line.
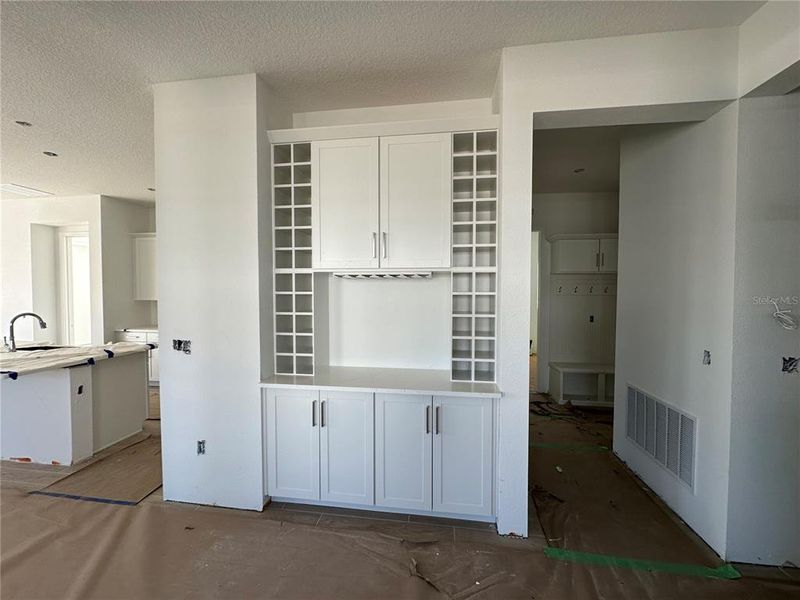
[65, 281]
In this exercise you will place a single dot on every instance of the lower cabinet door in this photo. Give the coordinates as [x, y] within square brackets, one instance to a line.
[403, 426]
[347, 447]
[293, 443]
[462, 455]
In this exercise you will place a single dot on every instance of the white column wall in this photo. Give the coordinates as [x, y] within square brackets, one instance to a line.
[764, 497]
[206, 161]
[652, 69]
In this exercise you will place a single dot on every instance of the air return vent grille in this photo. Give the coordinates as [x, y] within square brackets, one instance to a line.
[665, 433]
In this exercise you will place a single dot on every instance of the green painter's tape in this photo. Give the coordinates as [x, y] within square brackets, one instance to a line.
[572, 447]
[726, 571]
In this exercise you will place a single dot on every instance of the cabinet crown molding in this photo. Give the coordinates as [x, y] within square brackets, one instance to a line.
[338, 132]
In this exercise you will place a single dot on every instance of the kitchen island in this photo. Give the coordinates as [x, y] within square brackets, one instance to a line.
[61, 405]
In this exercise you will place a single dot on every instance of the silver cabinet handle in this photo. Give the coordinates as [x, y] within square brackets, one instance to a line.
[438, 419]
[602, 259]
[374, 244]
[427, 420]
[385, 238]
[322, 414]
[597, 260]
[313, 413]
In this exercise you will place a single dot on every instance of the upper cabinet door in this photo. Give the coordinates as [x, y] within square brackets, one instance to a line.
[608, 255]
[145, 284]
[344, 210]
[576, 256]
[415, 201]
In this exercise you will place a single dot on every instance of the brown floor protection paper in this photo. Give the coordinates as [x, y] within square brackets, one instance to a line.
[588, 501]
[126, 476]
[59, 548]
[56, 548]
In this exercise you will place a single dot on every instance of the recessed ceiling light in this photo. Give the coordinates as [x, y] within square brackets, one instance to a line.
[151, 189]
[24, 123]
[48, 153]
[579, 170]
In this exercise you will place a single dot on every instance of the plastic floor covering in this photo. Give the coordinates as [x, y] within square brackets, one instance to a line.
[62, 548]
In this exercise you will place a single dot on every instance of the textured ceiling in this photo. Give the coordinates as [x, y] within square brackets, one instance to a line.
[558, 152]
[81, 71]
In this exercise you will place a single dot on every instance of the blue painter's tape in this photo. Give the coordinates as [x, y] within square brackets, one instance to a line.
[90, 361]
[152, 346]
[11, 374]
[85, 498]
[109, 352]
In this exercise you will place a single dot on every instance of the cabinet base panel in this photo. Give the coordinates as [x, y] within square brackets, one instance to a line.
[381, 509]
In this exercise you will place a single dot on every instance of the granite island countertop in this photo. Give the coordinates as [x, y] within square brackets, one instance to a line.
[22, 362]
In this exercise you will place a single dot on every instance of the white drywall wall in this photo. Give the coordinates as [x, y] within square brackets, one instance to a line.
[16, 272]
[652, 69]
[576, 213]
[44, 280]
[764, 496]
[405, 112]
[769, 43]
[207, 169]
[677, 212]
[403, 324]
[119, 219]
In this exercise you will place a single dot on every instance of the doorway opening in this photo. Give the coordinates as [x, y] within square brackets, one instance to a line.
[61, 283]
[74, 286]
[575, 223]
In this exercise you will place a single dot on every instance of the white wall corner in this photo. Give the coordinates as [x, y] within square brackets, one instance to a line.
[769, 50]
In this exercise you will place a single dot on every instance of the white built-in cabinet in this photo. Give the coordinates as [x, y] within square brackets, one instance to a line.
[608, 255]
[344, 204]
[584, 254]
[415, 201]
[145, 283]
[462, 455]
[394, 451]
[381, 202]
[320, 445]
[346, 428]
[434, 453]
[403, 451]
[293, 443]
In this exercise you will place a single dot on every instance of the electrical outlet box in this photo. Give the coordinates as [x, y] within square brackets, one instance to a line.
[184, 346]
[201, 446]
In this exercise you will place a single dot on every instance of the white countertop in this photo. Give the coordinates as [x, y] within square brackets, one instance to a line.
[25, 362]
[392, 381]
[144, 328]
